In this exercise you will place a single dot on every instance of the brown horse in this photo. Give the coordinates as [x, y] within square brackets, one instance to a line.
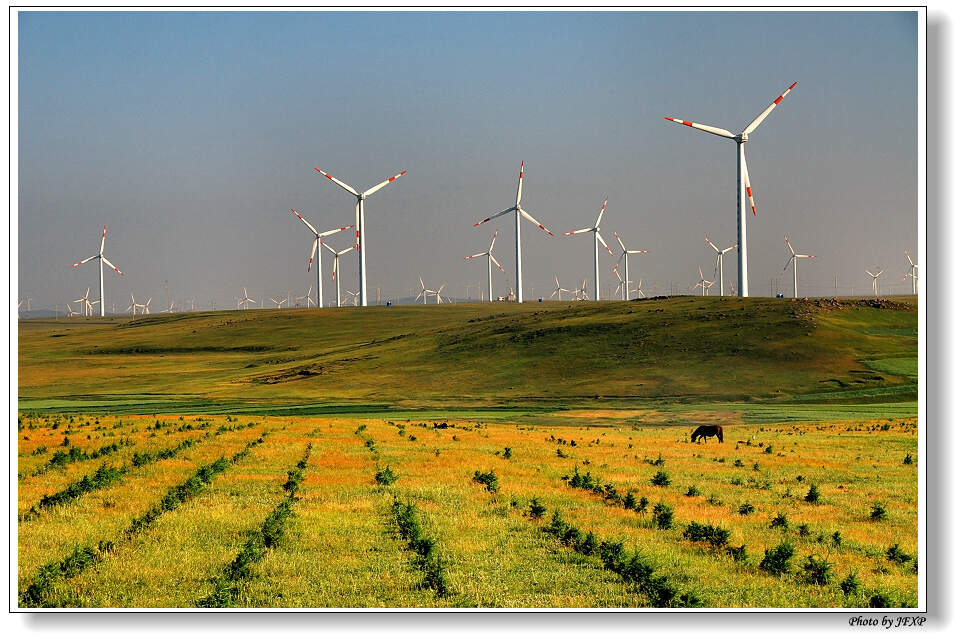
[704, 431]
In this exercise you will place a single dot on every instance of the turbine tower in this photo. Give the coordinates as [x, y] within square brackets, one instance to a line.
[742, 177]
[519, 213]
[424, 292]
[491, 259]
[337, 267]
[315, 248]
[704, 283]
[719, 254]
[558, 290]
[359, 226]
[595, 248]
[912, 272]
[102, 259]
[792, 259]
[625, 261]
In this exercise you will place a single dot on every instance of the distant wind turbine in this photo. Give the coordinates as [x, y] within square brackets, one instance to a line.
[86, 304]
[625, 260]
[360, 226]
[743, 187]
[246, 300]
[875, 277]
[315, 248]
[558, 290]
[491, 259]
[719, 254]
[278, 303]
[519, 213]
[704, 283]
[424, 292]
[792, 259]
[912, 272]
[597, 233]
[337, 267]
[102, 259]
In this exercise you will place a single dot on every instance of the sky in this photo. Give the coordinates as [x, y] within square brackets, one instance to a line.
[191, 135]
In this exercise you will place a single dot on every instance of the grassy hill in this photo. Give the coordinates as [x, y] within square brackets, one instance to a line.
[674, 351]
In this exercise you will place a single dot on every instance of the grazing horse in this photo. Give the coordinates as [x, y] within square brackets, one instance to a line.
[704, 431]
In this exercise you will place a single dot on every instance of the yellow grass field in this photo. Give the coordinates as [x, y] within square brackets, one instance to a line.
[262, 528]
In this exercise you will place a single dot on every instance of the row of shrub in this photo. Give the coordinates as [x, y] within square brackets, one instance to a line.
[427, 556]
[42, 590]
[659, 589]
[268, 536]
[609, 493]
[146, 457]
[62, 458]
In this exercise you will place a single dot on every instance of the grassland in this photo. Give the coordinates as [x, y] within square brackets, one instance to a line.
[341, 548]
[229, 459]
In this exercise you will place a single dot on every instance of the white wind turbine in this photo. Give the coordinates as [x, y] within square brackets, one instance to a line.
[595, 230]
[704, 283]
[912, 272]
[337, 267]
[424, 292]
[307, 297]
[625, 260]
[623, 285]
[132, 308]
[353, 296]
[639, 293]
[581, 294]
[792, 260]
[558, 290]
[86, 305]
[438, 296]
[491, 259]
[519, 213]
[315, 247]
[102, 259]
[359, 223]
[719, 254]
[742, 176]
[278, 302]
[144, 307]
[71, 311]
[246, 300]
[875, 278]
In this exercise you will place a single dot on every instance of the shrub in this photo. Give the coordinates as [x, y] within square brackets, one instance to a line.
[661, 479]
[813, 496]
[642, 504]
[818, 570]
[908, 459]
[837, 539]
[768, 449]
[490, 480]
[692, 491]
[780, 521]
[386, 476]
[877, 513]
[662, 515]
[896, 554]
[849, 584]
[629, 501]
[714, 535]
[804, 530]
[738, 463]
[560, 453]
[776, 560]
[507, 453]
[738, 553]
[880, 600]
[746, 508]
[536, 509]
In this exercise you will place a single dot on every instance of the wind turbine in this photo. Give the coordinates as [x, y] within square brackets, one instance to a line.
[639, 293]
[519, 213]
[245, 300]
[169, 310]
[742, 176]
[595, 248]
[307, 297]
[354, 297]
[337, 268]
[719, 254]
[912, 272]
[581, 294]
[144, 307]
[625, 260]
[792, 260]
[70, 311]
[491, 259]
[704, 283]
[86, 304]
[100, 257]
[315, 246]
[438, 297]
[875, 277]
[558, 290]
[424, 292]
[133, 306]
[278, 303]
[623, 285]
[359, 222]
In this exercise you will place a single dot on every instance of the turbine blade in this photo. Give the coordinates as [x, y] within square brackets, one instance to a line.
[598, 235]
[103, 238]
[495, 261]
[789, 245]
[619, 239]
[328, 233]
[314, 249]
[721, 132]
[788, 262]
[637, 251]
[112, 266]
[712, 244]
[532, 219]
[304, 221]
[566, 234]
[745, 174]
[480, 254]
[495, 216]
[340, 183]
[328, 248]
[373, 190]
[84, 261]
[521, 176]
[495, 236]
[346, 250]
[601, 212]
[763, 115]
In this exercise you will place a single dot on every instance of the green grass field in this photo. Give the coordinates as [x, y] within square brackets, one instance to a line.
[230, 458]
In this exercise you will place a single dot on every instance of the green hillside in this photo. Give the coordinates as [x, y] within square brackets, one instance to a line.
[670, 352]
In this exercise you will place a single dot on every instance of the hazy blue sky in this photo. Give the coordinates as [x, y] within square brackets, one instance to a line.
[191, 135]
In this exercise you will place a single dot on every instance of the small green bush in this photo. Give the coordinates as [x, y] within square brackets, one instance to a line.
[714, 535]
[776, 560]
[385, 476]
[661, 479]
[813, 496]
[877, 513]
[849, 584]
[507, 453]
[662, 515]
[536, 509]
[817, 570]
[490, 480]
[746, 508]
[692, 491]
[896, 554]
[779, 522]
